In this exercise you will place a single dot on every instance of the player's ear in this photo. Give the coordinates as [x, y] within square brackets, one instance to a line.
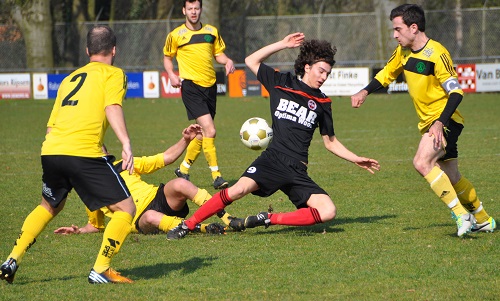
[113, 52]
[87, 51]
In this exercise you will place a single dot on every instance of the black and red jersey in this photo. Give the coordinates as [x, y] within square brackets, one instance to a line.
[296, 110]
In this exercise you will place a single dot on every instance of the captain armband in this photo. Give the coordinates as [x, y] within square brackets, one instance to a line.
[451, 84]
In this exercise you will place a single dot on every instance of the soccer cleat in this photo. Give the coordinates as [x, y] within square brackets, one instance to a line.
[108, 276]
[215, 228]
[488, 226]
[178, 232]
[179, 174]
[237, 224]
[8, 270]
[465, 222]
[220, 183]
[261, 219]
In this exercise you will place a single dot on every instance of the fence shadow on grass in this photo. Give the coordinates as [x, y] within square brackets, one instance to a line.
[162, 269]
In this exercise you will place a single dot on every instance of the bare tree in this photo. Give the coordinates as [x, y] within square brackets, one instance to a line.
[211, 13]
[35, 21]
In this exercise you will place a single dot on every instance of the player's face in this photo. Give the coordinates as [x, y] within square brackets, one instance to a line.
[192, 11]
[403, 33]
[316, 74]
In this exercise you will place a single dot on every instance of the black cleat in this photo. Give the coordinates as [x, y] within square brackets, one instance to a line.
[220, 183]
[237, 224]
[8, 270]
[261, 219]
[179, 174]
[178, 232]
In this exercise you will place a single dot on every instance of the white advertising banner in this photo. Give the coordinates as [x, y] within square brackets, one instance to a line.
[151, 83]
[15, 85]
[487, 77]
[345, 81]
[40, 86]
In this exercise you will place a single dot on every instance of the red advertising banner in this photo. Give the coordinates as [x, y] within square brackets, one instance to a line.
[467, 77]
[166, 87]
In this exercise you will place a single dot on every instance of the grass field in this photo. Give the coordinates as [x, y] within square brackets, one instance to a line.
[393, 239]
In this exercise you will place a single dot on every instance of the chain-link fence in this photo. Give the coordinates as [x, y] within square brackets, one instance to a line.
[362, 39]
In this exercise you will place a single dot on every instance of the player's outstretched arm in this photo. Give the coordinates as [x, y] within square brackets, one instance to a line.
[254, 60]
[88, 228]
[338, 149]
[175, 151]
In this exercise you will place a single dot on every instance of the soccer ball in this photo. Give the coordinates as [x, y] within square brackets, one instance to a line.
[255, 133]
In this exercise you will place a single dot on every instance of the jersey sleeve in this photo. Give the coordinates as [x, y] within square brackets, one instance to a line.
[269, 77]
[170, 48]
[219, 45]
[446, 74]
[148, 164]
[326, 123]
[392, 69]
[115, 88]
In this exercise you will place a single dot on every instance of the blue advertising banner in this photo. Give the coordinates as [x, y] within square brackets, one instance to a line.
[54, 81]
[135, 85]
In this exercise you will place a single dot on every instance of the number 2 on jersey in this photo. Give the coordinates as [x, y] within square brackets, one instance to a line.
[67, 101]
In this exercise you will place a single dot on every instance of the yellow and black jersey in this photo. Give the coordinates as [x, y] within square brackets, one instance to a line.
[142, 192]
[430, 76]
[195, 50]
[78, 120]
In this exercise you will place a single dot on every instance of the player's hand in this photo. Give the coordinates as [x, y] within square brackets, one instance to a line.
[128, 159]
[436, 131]
[192, 131]
[370, 165]
[229, 67]
[359, 98]
[294, 40]
[67, 230]
[175, 81]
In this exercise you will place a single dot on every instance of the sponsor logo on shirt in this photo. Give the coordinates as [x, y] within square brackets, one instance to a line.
[290, 110]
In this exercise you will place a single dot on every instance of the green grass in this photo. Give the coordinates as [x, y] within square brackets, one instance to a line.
[393, 239]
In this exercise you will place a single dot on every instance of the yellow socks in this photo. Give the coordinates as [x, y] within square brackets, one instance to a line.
[467, 195]
[33, 225]
[201, 197]
[192, 152]
[211, 156]
[441, 185]
[167, 223]
[114, 235]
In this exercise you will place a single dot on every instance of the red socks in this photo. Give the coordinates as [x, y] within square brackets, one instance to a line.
[300, 217]
[218, 202]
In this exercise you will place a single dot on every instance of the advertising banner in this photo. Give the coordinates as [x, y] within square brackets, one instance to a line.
[151, 84]
[345, 81]
[40, 86]
[167, 91]
[467, 77]
[15, 85]
[135, 85]
[487, 77]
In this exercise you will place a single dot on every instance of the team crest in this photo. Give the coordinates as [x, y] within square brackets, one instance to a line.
[428, 52]
[311, 104]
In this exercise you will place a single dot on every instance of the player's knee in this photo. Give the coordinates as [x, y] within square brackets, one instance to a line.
[328, 214]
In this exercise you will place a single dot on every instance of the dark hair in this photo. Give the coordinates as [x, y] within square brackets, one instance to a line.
[191, 1]
[100, 40]
[411, 14]
[313, 51]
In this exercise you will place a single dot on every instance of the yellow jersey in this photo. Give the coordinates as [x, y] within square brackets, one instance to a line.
[430, 76]
[142, 193]
[195, 50]
[78, 119]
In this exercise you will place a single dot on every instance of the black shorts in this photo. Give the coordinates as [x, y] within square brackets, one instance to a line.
[94, 179]
[159, 204]
[273, 171]
[451, 134]
[198, 100]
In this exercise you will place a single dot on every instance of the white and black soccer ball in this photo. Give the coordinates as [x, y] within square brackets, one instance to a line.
[255, 133]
